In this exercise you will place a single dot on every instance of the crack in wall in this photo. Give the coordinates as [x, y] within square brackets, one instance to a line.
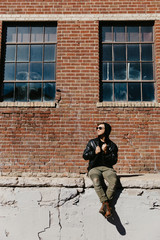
[43, 231]
[59, 213]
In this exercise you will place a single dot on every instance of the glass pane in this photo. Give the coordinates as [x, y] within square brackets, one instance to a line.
[134, 92]
[49, 53]
[22, 53]
[148, 91]
[107, 52]
[120, 91]
[50, 34]
[120, 71]
[11, 34]
[9, 72]
[119, 52]
[106, 34]
[147, 52]
[21, 92]
[119, 34]
[133, 34]
[37, 34]
[147, 34]
[23, 34]
[147, 71]
[107, 71]
[134, 71]
[107, 92]
[8, 92]
[35, 71]
[36, 52]
[10, 53]
[133, 52]
[22, 71]
[35, 91]
[49, 71]
[49, 91]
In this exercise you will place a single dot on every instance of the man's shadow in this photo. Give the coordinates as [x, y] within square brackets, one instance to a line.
[114, 219]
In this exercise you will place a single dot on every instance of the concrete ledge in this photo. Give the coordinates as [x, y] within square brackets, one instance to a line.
[146, 181]
[28, 104]
[128, 104]
[80, 17]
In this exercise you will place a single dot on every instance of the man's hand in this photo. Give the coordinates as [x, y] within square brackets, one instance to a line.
[104, 147]
[98, 150]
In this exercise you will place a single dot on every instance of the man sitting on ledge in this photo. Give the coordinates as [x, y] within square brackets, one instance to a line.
[102, 155]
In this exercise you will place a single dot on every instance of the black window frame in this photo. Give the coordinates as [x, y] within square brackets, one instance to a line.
[114, 43]
[29, 24]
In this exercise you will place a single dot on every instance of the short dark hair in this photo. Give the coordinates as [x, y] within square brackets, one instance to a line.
[107, 128]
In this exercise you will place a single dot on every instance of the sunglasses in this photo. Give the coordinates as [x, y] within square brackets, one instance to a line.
[99, 128]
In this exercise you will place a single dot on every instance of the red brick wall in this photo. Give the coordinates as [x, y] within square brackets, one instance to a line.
[78, 6]
[53, 139]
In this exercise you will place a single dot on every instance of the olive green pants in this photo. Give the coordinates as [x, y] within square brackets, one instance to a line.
[98, 175]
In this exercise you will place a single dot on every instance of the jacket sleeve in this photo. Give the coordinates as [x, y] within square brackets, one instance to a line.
[89, 152]
[112, 154]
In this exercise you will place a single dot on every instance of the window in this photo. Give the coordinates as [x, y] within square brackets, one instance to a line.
[127, 62]
[29, 62]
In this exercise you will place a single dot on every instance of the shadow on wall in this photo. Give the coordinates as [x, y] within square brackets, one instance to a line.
[114, 219]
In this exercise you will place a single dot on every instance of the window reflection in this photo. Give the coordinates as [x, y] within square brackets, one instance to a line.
[50, 34]
[49, 91]
[147, 71]
[133, 52]
[21, 92]
[9, 72]
[120, 52]
[22, 71]
[133, 34]
[49, 53]
[49, 71]
[35, 71]
[22, 53]
[8, 92]
[134, 92]
[147, 34]
[107, 71]
[134, 71]
[36, 52]
[106, 34]
[23, 34]
[107, 52]
[37, 34]
[120, 71]
[108, 92]
[119, 34]
[10, 53]
[11, 34]
[148, 91]
[35, 91]
[147, 52]
[120, 90]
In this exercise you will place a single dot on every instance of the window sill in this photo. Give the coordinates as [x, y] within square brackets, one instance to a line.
[128, 104]
[29, 104]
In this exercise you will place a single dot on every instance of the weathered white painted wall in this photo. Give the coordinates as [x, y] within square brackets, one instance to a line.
[68, 209]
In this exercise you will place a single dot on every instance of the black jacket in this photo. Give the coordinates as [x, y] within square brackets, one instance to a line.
[100, 159]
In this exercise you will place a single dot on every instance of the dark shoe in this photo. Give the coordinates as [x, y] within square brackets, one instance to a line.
[105, 209]
[108, 210]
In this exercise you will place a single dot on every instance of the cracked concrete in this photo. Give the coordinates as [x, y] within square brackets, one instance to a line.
[72, 213]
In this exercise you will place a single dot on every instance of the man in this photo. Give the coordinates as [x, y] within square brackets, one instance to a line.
[102, 155]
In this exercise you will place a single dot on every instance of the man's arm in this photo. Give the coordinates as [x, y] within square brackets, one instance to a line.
[89, 152]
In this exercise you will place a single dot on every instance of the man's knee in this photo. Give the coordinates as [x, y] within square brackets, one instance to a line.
[96, 181]
[112, 179]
